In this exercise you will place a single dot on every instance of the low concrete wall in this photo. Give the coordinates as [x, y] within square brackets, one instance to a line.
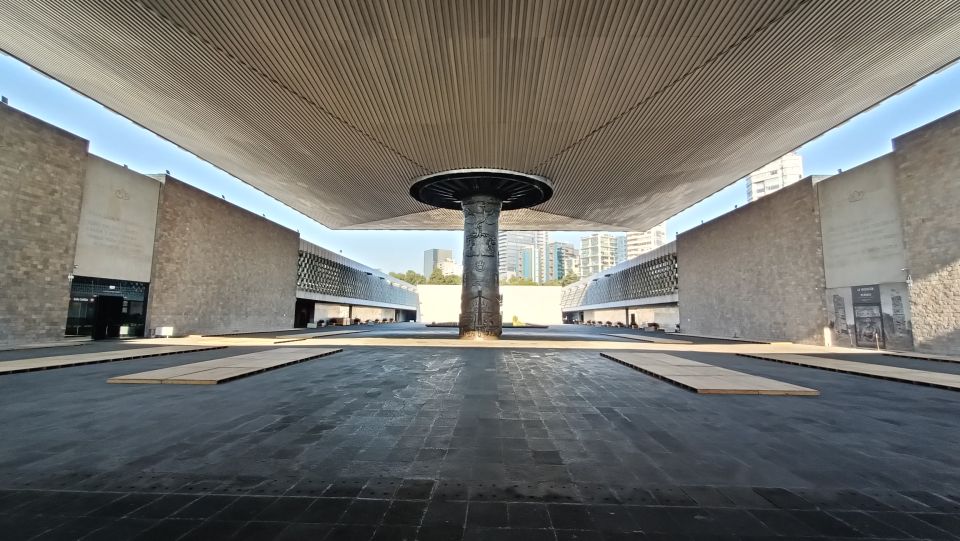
[42, 169]
[218, 268]
[531, 304]
[928, 184]
[756, 272]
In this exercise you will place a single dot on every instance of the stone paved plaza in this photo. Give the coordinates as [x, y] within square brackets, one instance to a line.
[449, 443]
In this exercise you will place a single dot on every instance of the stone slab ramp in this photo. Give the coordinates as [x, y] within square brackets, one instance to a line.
[654, 339]
[704, 378]
[308, 336]
[892, 373]
[80, 359]
[227, 369]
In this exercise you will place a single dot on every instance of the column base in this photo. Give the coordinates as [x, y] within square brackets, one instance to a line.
[491, 330]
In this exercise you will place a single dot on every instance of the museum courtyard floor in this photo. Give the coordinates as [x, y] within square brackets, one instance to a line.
[406, 434]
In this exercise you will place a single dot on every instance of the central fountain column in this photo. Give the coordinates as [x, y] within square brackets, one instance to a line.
[480, 295]
[481, 194]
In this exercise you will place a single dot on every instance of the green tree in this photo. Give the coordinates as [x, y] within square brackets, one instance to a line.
[410, 277]
[519, 281]
[437, 278]
[569, 279]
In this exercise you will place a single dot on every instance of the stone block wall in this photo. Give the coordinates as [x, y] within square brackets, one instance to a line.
[218, 268]
[756, 272]
[928, 184]
[42, 169]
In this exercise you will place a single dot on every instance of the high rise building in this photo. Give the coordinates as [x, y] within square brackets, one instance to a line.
[598, 252]
[775, 175]
[562, 260]
[513, 262]
[621, 254]
[432, 259]
[639, 242]
[449, 267]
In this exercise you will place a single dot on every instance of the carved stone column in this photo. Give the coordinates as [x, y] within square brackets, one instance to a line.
[480, 295]
[481, 194]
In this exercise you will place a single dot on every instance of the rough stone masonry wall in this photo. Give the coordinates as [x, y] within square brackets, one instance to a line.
[927, 164]
[218, 268]
[756, 272]
[42, 169]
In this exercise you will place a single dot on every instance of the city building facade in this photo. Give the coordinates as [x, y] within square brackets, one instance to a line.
[774, 176]
[523, 254]
[432, 259]
[563, 259]
[598, 252]
[640, 242]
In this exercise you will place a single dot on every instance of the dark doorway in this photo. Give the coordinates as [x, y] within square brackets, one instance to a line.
[108, 315]
[303, 312]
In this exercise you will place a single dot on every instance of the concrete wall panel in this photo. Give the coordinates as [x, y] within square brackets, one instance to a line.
[41, 186]
[531, 304]
[117, 222]
[756, 272]
[218, 268]
[928, 183]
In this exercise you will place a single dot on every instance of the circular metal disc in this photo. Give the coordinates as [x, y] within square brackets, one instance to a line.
[448, 188]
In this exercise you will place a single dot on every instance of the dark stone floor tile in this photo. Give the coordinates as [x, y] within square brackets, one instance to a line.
[71, 529]
[205, 507]
[304, 532]
[784, 499]
[528, 515]
[284, 510]
[824, 524]
[380, 489]
[165, 506]
[351, 532]
[708, 497]
[213, 529]
[365, 512]
[784, 523]
[415, 489]
[168, 529]
[123, 506]
[948, 522]
[910, 524]
[344, 488]
[570, 517]
[746, 498]
[405, 512]
[260, 531]
[124, 528]
[440, 513]
[487, 515]
[612, 518]
[934, 501]
[579, 535]
[439, 533]
[325, 510]
[245, 508]
[387, 532]
[867, 525]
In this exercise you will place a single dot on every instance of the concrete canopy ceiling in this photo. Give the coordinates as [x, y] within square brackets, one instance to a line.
[635, 109]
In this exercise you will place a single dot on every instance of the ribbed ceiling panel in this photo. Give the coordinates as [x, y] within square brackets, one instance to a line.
[636, 110]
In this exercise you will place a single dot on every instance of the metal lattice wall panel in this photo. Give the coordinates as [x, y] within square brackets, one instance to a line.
[322, 272]
[635, 109]
[650, 275]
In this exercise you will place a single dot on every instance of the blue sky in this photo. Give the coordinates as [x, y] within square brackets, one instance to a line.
[117, 139]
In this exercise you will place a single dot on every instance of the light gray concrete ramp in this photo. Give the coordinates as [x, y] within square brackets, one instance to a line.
[654, 339]
[227, 369]
[893, 373]
[308, 336]
[704, 378]
[80, 359]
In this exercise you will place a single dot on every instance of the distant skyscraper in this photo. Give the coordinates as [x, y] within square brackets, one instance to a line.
[449, 267]
[621, 254]
[432, 259]
[639, 242]
[514, 262]
[774, 176]
[598, 252]
[562, 260]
